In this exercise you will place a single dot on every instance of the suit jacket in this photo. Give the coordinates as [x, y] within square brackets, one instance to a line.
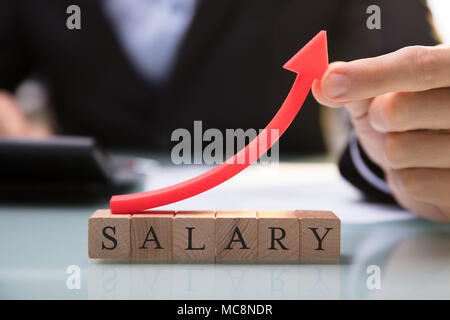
[228, 72]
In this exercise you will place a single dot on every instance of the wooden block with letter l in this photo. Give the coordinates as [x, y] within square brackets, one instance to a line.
[278, 235]
[109, 235]
[194, 235]
[320, 234]
[151, 235]
[236, 235]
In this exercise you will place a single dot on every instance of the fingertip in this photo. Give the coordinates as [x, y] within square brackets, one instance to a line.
[319, 84]
[317, 92]
[336, 66]
[434, 214]
[423, 210]
[335, 85]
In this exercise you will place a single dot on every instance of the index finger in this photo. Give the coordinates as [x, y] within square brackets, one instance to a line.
[409, 69]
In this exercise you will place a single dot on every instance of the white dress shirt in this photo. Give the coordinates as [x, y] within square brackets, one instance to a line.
[151, 32]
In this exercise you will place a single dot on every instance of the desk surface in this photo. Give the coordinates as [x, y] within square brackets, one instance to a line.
[410, 257]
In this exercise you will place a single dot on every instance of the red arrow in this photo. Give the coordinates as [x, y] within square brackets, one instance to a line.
[311, 62]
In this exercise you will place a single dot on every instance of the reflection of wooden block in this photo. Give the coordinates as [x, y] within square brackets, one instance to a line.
[151, 235]
[236, 235]
[109, 235]
[194, 235]
[278, 235]
[320, 234]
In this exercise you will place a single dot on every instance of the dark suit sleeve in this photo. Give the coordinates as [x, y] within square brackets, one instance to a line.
[15, 60]
[403, 23]
[360, 171]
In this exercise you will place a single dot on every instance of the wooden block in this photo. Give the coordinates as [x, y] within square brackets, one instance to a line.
[226, 235]
[109, 235]
[151, 235]
[278, 233]
[236, 235]
[194, 235]
[320, 234]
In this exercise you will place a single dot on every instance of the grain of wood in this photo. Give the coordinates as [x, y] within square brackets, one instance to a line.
[320, 234]
[236, 235]
[194, 235]
[108, 235]
[278, 235]
[151, 235]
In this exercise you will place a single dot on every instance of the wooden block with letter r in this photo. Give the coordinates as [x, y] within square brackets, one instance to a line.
[320, 235]
[236, 235]
[194, 235]
[278, 235]
[151, 235]
[109, 235]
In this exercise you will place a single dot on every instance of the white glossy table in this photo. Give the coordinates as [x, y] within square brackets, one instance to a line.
[39, 243]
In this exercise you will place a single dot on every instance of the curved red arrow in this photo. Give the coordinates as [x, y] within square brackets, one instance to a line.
[311, 61]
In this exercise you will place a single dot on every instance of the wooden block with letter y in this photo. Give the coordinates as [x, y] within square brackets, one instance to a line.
[236, 235]
[109, 235]
[151, 235]
[320, 234]
[194, 235]
[278, 233]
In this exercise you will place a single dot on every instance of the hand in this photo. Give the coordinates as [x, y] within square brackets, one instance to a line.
[14, 123]
[399, 104]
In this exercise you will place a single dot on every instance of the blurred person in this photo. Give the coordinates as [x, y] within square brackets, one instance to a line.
[138, 69]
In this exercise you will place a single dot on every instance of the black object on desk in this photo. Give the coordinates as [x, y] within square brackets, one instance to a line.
[61, 167]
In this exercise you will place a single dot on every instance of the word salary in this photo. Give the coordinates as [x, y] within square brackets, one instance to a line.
[208, 235]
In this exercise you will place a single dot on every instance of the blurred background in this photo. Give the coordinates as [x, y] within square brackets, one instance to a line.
[35, 100]
[137, 70]
[440, 10]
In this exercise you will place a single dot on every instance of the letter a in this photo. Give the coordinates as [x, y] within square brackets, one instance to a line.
[154, 238]
[240, 239]
[74, 20]
[374, 20]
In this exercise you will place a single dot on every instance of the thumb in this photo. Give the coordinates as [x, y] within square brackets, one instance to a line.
[371, 140]
[331, 79]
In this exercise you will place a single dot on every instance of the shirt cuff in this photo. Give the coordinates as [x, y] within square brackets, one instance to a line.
[366, 169]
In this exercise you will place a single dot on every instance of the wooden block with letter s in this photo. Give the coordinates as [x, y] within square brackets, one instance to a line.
[151, 235]
[194, 235]
[236, 235]
[109, 235]
[320, 234]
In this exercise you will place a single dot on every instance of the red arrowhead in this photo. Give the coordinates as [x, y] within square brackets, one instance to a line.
[312, 60]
